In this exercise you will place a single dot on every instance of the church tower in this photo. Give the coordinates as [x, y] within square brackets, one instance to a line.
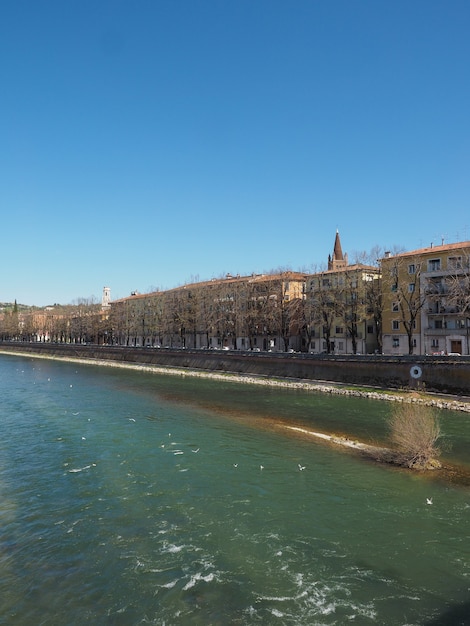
[106, 298]
[339, 260]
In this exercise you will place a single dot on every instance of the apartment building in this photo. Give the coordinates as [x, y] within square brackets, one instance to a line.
[426, 300]
[259, 311]
[342, 302]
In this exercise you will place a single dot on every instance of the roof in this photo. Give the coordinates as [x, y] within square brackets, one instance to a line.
[355, 267]
[228, 279]
[431, 250]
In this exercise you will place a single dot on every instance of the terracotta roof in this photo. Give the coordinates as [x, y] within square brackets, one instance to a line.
[229, 279]
[432, 250]
[348, 268]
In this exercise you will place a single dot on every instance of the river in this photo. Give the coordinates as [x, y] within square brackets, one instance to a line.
[134, 498]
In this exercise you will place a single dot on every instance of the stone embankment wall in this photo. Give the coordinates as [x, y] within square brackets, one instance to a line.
[450, 375]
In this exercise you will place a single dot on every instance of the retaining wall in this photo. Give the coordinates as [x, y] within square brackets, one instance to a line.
[441, 374]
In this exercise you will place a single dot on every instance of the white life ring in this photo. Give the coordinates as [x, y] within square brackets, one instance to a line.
[416, 371]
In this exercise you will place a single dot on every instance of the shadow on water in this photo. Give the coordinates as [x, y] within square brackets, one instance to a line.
[456, 616]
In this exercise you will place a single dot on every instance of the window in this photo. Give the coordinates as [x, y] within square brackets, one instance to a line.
[435, 343]
[414, 343]
[434, 265]
[395, 307]
[339, 330]
[326, 282]
[454, 263]
[370, 330]
[395, 325]
[340, 345]
[411, 287]
[411, 268]
[395, 342]
[438, 324]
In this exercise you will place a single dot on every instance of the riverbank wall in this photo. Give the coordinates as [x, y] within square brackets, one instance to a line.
[443, 374]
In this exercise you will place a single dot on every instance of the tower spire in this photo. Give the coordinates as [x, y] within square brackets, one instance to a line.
[338, 260]
[337, 251]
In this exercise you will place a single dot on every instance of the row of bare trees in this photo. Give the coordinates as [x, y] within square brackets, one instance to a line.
[251, 314]
[79, 322]
[240, 314]
[264, 312]
[217, 313]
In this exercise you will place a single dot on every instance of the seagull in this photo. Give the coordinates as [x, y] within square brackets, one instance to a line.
[301, 467]
[77, 413]
[261, 467]
[428, 500]
[195, 451]
[235, 465]
[131, 419]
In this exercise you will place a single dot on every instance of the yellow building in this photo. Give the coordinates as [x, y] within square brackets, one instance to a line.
[426, 300]
[339, 303]
[259, 311]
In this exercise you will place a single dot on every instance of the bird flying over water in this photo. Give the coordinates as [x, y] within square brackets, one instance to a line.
[428, 500]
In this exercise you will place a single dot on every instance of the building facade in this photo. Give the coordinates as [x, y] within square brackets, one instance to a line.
[256, 312]
[426, 300]
[340, 306]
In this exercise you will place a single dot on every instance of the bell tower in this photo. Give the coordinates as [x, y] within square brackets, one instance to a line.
[106, 298]
[339, 260]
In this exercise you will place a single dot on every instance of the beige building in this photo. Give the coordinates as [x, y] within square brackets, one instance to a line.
[258, 312]
[426, 300]
[339, 301]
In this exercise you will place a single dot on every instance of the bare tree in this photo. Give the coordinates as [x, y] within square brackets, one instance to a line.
[458, 293]
[404, 281]
[306, 316]
[326, 306]
[414, 431]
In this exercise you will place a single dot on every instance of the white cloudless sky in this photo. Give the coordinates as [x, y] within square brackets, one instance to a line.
[149, 143]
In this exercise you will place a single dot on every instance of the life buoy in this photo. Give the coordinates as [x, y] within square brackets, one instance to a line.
[416, 371]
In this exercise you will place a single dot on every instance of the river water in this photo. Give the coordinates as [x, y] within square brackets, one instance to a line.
[133, 498]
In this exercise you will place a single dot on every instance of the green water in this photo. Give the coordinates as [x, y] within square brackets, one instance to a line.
[131, 498]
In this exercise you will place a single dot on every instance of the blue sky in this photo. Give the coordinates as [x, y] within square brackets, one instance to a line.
[145, 144]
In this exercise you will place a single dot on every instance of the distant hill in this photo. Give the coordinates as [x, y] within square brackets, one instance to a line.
[22, 308]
